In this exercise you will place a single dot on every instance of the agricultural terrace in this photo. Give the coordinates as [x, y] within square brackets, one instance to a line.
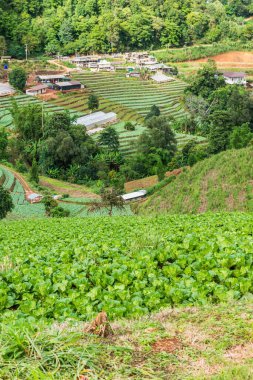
[6, 104]
[24, 210]
[135, 95]
[127, 266]
[128, 139]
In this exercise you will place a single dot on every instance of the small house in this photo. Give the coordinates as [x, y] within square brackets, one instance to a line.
[160, 67]
[85, 61]
[104, 65]
[37, 90]
[136, 195]
[34, 198]
[235, 78]
[68, 86]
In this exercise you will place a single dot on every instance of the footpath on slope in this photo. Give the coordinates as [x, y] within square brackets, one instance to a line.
[27, 189]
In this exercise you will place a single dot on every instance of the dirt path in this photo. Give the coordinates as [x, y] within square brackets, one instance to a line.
[67, 70]
[27, 189]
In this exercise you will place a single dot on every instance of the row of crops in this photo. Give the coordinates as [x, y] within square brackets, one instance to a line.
[128, 139]
[23, 209]
[135, 94]
[6, 104]
[127, 266]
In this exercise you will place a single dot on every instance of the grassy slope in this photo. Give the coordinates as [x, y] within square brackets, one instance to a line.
[211, 342]
[223, 182]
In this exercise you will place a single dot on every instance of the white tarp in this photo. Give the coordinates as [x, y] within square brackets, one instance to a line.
[159, 77]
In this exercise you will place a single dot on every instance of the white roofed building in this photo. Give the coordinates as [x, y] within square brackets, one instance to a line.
[161, 78]
[97, 119]
[235, 78]
[134, 196]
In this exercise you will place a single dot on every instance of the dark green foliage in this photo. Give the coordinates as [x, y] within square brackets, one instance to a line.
[129, 126]
[6, 204]
[17, 78]
[50, 204]
[96, 25]
[3, 144]
[59, 212]
[207, 80]
[154, 111]
[93, 102]
[109, 139]
[159, 138]
[34, 172]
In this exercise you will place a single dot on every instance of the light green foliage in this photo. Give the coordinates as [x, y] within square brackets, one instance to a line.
[127, 266]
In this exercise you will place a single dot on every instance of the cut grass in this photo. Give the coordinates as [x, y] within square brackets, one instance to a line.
[205, 343]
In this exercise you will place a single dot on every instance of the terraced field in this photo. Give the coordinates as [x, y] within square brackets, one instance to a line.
[24, 210]
[6, 104]
[128, 139]
[130, 98]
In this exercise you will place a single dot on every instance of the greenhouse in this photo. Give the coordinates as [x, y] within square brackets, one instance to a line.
[97, 119]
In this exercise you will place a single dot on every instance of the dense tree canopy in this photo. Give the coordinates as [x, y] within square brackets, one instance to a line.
[99, 25]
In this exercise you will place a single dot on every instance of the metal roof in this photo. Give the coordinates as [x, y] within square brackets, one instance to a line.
[134, 195]
[37, 88]
[6, 89]
[34, 196]
[68, 83]
[96, 117]
[54, 76]
[230, 74]
[159, 77]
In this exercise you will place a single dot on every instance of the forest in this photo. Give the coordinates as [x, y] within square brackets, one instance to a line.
[68, 26]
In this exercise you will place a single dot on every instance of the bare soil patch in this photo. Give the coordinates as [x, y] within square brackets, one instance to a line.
[167, 345]
[240, 353]
[233, 59]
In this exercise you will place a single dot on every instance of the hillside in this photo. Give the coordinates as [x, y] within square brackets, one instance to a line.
[68, 26]
[223, 182]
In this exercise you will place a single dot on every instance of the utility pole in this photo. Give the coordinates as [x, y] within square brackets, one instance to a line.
[26, 52]
[42, 119]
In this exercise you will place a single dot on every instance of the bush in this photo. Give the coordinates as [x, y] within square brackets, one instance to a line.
[129, 126]
[59, 212]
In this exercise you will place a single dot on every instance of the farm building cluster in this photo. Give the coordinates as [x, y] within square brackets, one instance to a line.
[57, 82]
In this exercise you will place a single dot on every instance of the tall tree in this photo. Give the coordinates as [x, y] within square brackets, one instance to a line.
[17, 78]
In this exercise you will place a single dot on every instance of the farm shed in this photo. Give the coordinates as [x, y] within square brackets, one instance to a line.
[85, 61]
[34, 198]
[134, 196]
[97, 119]
[68, 86]
[6, 89]
[133, 74]
[161, 78]
[51, 78]
[235, 78]
[37, 90]
[104, 65]
[160, 67]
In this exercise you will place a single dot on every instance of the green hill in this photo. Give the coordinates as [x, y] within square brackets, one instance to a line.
[223, 182]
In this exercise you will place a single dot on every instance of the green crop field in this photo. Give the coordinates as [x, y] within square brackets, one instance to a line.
[24, 210]
[6, 104]
[128, 139]
[127, 266]
[134, 95]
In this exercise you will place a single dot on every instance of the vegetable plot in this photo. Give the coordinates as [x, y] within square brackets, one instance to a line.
[127, 266]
